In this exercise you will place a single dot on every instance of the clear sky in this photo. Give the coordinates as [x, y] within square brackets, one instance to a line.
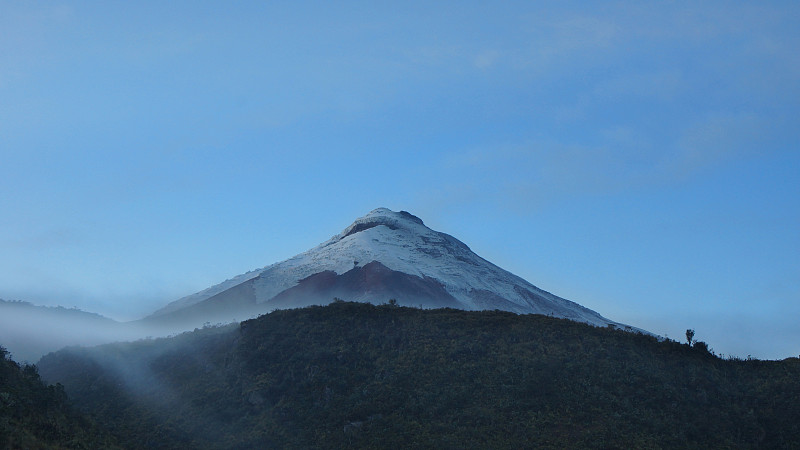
[639, 158]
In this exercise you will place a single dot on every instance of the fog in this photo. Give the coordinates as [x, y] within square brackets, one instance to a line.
[29, 332]
[140, 374]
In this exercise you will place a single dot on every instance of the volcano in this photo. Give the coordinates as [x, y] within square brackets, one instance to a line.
[383, 256]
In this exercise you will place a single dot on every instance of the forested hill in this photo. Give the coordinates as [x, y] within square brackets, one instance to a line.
[36, 416]
[356, 375]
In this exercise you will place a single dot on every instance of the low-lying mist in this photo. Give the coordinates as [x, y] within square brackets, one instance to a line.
[30, 332]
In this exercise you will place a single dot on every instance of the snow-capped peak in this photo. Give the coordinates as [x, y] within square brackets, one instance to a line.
[401, 243]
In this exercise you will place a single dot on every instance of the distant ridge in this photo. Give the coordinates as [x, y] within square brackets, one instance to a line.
[29, 331]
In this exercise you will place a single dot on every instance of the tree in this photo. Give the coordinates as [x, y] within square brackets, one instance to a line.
[689, 336]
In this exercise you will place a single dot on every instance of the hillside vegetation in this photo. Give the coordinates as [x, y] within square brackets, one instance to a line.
[357, 375]
[36, 416]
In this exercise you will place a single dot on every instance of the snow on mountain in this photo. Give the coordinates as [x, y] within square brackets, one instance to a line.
[381, 254]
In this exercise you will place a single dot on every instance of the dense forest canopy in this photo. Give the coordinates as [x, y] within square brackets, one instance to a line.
[353, 374]
[33, 415]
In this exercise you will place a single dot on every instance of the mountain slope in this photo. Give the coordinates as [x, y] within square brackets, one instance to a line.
[381, 256]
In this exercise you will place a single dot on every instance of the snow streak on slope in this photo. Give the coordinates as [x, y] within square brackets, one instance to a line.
[402, 243]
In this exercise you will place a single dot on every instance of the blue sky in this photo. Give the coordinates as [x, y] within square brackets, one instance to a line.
[639, 159]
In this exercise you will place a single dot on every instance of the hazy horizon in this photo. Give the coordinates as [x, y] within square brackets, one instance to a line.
[640, 160]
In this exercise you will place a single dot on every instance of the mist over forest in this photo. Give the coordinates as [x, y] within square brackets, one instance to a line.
[29, 332]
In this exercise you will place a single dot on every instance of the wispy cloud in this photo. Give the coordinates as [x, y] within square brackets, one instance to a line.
[486, 59]
[663, 85]
[718, 138]
[574, 34]
[622, 158]
[46, 239]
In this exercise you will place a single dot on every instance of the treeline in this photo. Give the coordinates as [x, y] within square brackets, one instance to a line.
[36, 416]
[356, 375]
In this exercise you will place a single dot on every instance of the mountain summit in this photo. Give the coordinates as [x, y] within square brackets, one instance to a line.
[381, 256]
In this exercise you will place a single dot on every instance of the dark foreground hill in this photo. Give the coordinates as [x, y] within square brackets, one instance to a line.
[36, 416]
[357, 375]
